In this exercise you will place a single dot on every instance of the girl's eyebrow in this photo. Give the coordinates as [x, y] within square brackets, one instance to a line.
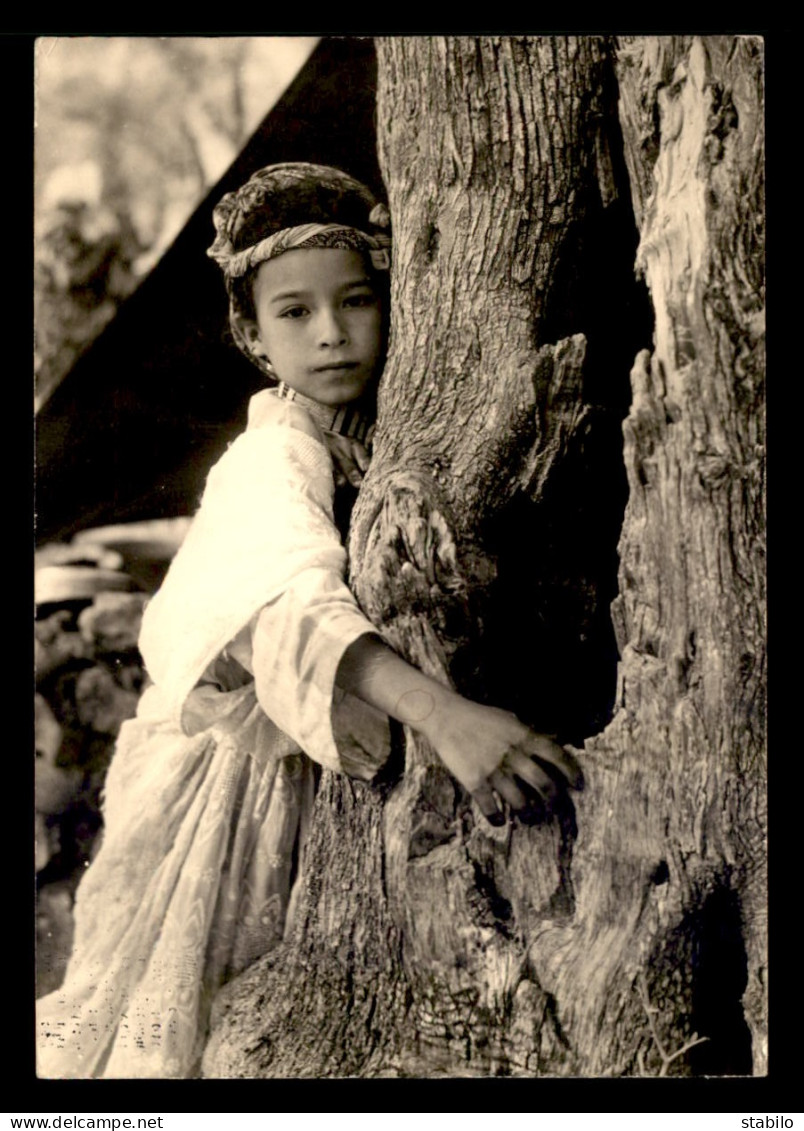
[352, 284]
[287, 294]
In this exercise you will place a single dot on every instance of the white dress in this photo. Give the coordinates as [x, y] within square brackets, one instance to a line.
[210, 790]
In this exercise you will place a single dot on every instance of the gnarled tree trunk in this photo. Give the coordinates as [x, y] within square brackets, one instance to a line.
[608, 938]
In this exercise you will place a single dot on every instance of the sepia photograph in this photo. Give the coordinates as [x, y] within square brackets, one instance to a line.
[400, 585]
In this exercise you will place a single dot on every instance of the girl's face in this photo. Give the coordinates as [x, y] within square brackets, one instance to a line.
[319, 322]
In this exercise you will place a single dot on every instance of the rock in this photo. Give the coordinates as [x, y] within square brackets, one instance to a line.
[77, 554]
[46, 841]
[55, 644]
[54, 585]
[131, 677]
[112, 621]
[49, 629]
[47, 731]
[54, 933]
[101, 702]
[55, 787]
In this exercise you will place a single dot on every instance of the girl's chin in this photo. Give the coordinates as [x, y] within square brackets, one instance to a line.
[340, 392]
[334, 400]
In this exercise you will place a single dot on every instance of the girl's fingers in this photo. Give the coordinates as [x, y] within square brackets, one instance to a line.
[350, 469]
[351, 473]
[487, 803]
[528, 770]
[362, 458]
[355, 473]
[347, 458]
[546, 750]
[508, 790]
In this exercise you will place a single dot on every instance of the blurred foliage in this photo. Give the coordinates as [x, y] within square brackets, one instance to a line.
[83, 270]
[131, 132]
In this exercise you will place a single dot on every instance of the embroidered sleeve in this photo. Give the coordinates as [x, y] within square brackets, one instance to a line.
[298, 642]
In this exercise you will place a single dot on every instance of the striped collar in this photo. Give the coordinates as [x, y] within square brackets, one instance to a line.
[346, 419]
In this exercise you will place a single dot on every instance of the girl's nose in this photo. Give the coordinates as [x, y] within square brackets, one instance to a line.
[331, 329]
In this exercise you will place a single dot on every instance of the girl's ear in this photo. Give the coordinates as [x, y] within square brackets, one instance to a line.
[250, 331]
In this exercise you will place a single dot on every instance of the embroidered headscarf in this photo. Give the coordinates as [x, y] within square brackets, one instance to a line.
[288, 207]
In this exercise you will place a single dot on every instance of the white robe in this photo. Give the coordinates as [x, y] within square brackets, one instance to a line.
[210, 790]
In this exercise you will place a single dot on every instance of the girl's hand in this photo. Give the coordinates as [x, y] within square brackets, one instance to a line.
[350, 459]
[490, 752]
[497, 758]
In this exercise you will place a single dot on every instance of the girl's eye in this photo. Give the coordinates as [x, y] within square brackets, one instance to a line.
[366, 299]
[294, 312]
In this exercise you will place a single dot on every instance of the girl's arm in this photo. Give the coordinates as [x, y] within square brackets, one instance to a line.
[488, 750]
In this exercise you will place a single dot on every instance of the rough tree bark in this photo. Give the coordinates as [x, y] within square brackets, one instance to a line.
[605, 939]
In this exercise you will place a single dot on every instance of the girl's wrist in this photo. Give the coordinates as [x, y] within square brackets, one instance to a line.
[376, 674]
[429, 708]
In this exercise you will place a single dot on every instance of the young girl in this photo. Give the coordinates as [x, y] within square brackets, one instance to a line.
[261, 661]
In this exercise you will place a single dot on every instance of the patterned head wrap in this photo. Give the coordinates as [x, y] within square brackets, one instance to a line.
[286, 208]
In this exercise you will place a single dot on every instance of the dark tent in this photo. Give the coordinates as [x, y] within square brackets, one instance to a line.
[132, 430]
